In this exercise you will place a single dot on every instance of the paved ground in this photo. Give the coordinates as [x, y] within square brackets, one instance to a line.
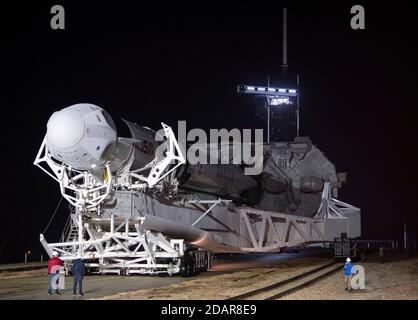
[35, 288]
[33, 284]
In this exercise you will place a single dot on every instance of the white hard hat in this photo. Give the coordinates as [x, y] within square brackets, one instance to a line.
[55, 254]
[348, 260]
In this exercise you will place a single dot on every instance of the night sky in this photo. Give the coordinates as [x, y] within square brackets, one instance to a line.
[183, 62]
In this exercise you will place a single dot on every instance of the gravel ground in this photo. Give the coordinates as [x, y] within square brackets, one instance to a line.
[396, 279]
[226, 285]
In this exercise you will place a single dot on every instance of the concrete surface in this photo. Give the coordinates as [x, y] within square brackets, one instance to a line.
[35, 288]
[96, 286]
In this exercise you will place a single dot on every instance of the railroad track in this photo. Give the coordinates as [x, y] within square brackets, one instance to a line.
[23, 266]
[282, 288]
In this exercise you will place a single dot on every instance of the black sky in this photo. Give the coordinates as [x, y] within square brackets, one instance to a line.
[160, 63]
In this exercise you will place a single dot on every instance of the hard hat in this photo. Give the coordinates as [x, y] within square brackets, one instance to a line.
[55, 254]
[348, 260]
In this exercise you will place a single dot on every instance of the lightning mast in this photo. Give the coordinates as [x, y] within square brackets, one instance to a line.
[282, 102]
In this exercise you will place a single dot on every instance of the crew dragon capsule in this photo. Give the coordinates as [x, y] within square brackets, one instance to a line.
[84, 137]
[139, 206]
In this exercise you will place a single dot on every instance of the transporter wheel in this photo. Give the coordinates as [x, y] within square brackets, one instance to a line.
[206, 268]
[123, 272]
[182, 270]
[185, 268]
[170, 269]
[193, 268]
[189, 267]
[190, 270]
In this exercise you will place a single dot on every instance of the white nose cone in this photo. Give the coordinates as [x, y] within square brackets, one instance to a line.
[65, 128]
[79, 135]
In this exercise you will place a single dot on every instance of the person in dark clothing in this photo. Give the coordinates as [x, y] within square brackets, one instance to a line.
[78, 270]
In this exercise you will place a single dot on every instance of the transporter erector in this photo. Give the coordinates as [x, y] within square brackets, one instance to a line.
[138, 206]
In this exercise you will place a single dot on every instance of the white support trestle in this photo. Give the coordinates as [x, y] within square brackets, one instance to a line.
[138, 251]
[273, 231]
